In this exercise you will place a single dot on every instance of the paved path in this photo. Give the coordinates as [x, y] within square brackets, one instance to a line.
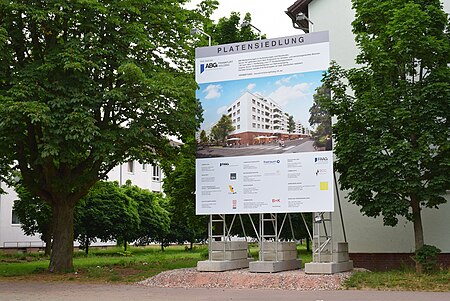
[67, 291]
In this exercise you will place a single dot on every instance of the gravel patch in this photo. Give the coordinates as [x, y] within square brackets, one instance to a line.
[243, 279]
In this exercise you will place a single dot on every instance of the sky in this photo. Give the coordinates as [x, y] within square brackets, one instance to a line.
[293, 92]
[267, 15]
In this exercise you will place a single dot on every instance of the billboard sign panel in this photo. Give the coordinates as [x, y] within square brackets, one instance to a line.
[257, 149]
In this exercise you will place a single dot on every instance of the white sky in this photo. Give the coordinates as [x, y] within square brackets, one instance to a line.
[267, 15]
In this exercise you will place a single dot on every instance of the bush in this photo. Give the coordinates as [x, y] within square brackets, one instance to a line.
[427, 257]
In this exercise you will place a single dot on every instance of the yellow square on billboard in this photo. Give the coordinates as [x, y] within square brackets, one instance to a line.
[323, 185]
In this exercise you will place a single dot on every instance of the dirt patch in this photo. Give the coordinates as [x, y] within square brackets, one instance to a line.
[243, 279]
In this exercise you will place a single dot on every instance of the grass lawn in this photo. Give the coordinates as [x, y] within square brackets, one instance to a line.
[103, 265]
[405, 280]
[114, 265]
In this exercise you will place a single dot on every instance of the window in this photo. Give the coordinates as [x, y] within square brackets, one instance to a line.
[14, 218]
[239, 104]
[238, 126]
[239, 119]
[259, 111]
[254, 117]
[253, 109]
[144, 167]
[156, 174]
[254, 125]
[234, 107]
[253, 101]
[131, 166]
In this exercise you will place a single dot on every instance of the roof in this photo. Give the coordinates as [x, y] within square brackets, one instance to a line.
[300, 6]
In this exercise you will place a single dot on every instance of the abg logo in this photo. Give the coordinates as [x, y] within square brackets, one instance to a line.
[203, 67]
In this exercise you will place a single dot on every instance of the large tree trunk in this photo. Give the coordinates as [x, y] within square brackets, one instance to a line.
[418, 230]
[61, 260]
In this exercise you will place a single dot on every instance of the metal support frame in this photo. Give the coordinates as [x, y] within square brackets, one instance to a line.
[224, 235]
[322, 235]
[264, 236]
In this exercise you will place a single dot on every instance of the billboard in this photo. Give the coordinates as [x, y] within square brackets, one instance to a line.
[259, 148]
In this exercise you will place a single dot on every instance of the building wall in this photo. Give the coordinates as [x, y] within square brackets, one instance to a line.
[364, 234]
[253, 115]
[145, 177]
[11, 235]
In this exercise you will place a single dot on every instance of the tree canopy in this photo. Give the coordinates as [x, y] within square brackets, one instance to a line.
[85, 85]
[179, 185]
[393, 151]
[222, 129]
[154, 218]
[291, 124]
[107, 213]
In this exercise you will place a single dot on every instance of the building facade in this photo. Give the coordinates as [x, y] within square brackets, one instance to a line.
[257, 119]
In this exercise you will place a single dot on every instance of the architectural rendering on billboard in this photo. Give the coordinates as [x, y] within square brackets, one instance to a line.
[259, 106]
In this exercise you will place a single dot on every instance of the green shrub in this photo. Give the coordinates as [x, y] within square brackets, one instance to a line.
[427, 257]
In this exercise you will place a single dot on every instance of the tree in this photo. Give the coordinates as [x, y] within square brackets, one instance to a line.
[393, 150]
[222, 129]
[154, 219]
[179, 185]
[319, 114]
[291, 124]
[203, 137]
[229, 30]
[106, 213]
[85, 85]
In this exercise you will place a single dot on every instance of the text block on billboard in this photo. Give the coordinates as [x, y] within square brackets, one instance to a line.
[298, 182]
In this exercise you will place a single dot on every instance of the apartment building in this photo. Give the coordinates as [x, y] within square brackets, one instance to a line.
[258, 119]
[302, 129]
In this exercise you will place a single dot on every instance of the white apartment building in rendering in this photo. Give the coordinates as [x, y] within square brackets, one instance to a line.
[257, 119]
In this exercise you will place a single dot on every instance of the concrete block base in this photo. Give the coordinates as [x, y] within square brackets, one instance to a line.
[221, 266]
[328, 267]
[274, 266]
